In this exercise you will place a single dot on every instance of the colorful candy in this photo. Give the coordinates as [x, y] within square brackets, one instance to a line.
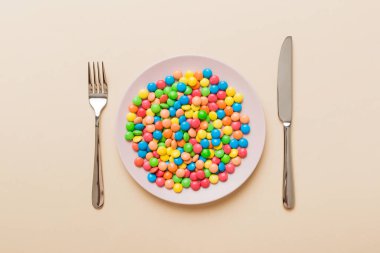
[188, 130]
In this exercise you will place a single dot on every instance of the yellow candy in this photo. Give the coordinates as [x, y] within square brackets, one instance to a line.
[204, 82]
[195, 107]
[189, 114]
[143, 93]
[230, 91]
[219, 146]
[238, 98]
[192, 81]
[174, 120]
[176, 153]
[208, 164]
[212, 153]
[217, 124]
[229, 101]
[208, 136]
[189, 74]
[213, 179]
[171, 159]
[195, 115]
[197, 138]
[164, 158]
[137, 138]
[186, 107]
[202, 134]
[161, 151]
[182, 166]
[213, 115]
[177, 187]
[169, 150]
[183, 80]
[149, 112]
[227, 130]
[131, 116]
[233, 153]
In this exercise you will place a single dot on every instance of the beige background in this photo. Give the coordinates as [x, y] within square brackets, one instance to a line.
[46, 137]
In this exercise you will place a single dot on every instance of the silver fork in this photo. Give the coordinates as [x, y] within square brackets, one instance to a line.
[97, 94]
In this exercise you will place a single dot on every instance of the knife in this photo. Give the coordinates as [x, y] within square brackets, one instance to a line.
[284, 100]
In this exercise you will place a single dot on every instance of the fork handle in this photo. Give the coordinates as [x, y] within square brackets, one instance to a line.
[287, 183]
[97, 182]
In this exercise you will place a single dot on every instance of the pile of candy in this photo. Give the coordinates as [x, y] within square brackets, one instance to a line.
[188, 130]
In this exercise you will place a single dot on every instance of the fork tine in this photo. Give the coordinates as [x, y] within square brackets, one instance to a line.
[105, 84]
[90, 83]
[100, 79]
[96, 84]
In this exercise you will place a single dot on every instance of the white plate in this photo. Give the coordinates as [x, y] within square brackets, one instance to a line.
[251, 107]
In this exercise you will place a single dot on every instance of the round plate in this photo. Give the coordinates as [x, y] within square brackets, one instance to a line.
[251, 107]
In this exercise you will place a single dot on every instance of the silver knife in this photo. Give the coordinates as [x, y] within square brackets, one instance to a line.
[284, 99]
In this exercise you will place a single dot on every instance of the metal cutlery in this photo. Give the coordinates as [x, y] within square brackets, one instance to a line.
[97, 95]
[284, 99]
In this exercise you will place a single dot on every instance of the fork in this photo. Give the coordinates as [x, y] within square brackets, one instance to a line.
[97, 95]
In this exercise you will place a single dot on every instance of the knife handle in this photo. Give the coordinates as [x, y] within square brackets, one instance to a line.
[287, 183]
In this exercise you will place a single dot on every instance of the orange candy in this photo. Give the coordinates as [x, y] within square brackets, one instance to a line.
[204, 125]
[133, 108]
[167, 133]
[237, 135]
[166, 123]
[175, 127]
[153, 145]
[226, 121]
[205, 108]
[177, 74]
[235, 116]
[172, 167]
[221, 104]
[244, 119]
[196, 86]
[181, 143]
[204, 100]
[228, 110]
[158, 125]
[168, 175]
[198, 75]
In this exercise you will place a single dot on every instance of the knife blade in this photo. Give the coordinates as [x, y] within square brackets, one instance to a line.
[284, 100]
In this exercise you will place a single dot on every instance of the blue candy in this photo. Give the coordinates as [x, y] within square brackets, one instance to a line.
[236, 107]
[157, 118]
[202, 159]
[220, 114]
[204, 143]
[182, 119]
[215, 142]
[234, 143]
[143, 145]
[169, 80]
[180, 149]
[223, 85]
[181, 87]
[157, 135]
[222, 167]
[214, 89]
[184, 100]
[178, 136]
[245, 128]
[185, 126]
[152, 87]
[172, 111]
[152, 177]
[177, 105]
[178, 161]
[141, 153]
[207, 73]
[191, 166]
[139, 126]
[243, 143]
[215, 133]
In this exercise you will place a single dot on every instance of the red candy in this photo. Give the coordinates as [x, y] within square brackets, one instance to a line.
[230, 168]
[160, 84]
[197, 148]
[235, 125]
[200, 174]
[205, 183]
[242, 152]
[193, 176]
[221, 94]
[160, 181]
[227, 149]
[195, 123]
[223, 176]
[148, 137]
[212, 98]
[145, 104]
[214, 79]
[195, 185]
[139, 162]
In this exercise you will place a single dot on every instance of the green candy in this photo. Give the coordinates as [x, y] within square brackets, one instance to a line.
[207, 173]
[186, 137]
[159, 93]
[188, 147]
[210, 128]
[188, 90]
[167, 90]
[202, 114]
[176, 179]
[170, 102]
[174, 86]
[164, 106]
[205, 91]
[129, 136]
[173, 94]
[225, 159]
[161, 144]
[130, 126]
[137, 132]
[186, 182]
[155, 108]
[219, 153]
[192, 153]
[226, 139]
[206, 153]
[137, 101]
[153, 161]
